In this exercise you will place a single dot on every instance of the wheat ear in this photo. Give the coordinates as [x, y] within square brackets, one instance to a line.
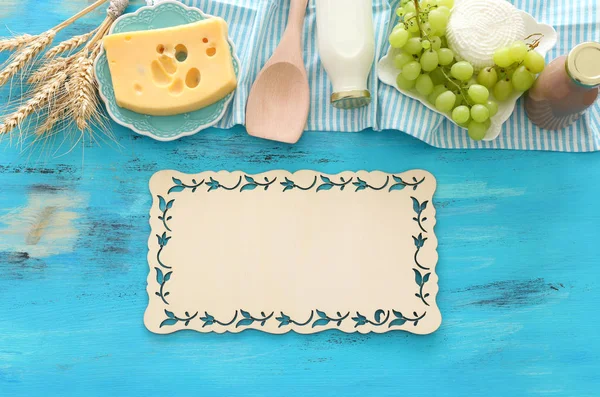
[34, 104]
[19, 41]
[69, 45]
[83, 89]
[15, 42]
[83, 104]
[51, 121]
[23, 57]
[48, 69]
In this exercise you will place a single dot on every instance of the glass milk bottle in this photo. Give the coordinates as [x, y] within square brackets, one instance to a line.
[566, 88]
[346, 42]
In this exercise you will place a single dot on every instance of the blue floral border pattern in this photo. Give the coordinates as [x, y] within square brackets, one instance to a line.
[316, 318]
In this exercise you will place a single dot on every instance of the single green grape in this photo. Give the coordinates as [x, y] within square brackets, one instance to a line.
[436, 43]
[480, 113]
[446, 3]
[437, 76]
[517, 51]
[522, 79]
[424, 85]
[429, 60]
[414, 45]
[398, 38]
[409, 16]
[426, 44]
[444, 10]
[437, 91]
[461, 114]
[446, 56]
[488, 78]
[402, 59]
[534, 62]
[503, 90]
[401, 11]
[411, 70]
[478, 93]
[502, 57]
[445, 101]
[438, 20]
[462, 71]
[477, 130]
[404, 84]
[426, 27]
[492, 107]
[410, 7]
[413, 26]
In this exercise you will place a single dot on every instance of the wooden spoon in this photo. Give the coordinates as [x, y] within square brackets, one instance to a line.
[279, 100]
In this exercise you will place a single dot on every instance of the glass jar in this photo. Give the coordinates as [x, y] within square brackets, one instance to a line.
[566, 88]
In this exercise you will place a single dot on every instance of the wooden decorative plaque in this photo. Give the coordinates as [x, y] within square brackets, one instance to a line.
[304, 251]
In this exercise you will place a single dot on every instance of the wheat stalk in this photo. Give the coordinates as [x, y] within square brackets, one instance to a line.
[39, 99]
[23, 57]
[15, 42]
[69, 44]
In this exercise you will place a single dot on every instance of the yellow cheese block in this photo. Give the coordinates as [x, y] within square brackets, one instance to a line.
[174, 70]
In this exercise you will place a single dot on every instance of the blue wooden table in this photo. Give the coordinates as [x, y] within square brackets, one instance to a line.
[519, 271]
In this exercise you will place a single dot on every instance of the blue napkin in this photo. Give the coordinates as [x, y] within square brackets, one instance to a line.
[256, 27]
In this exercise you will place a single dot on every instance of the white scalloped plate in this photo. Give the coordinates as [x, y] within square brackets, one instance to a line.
[387, 73]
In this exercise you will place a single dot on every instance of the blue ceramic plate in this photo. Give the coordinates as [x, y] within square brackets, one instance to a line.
[162, 128]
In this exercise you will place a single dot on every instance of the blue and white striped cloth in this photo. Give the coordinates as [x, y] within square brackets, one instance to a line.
[256, 27]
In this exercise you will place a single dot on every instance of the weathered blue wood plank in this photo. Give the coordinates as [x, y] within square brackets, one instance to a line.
[518, 271]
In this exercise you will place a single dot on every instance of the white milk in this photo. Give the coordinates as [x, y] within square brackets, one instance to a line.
[347, 48]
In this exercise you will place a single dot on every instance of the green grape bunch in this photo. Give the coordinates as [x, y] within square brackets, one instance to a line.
[428, 67]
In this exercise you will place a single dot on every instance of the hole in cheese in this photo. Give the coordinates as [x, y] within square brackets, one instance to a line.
[127, 38]
[205, 40]
[159, 75]
[181, 52]
[192, 78]
[211, 51]
[176, 88]
[138, 89]
[160, 48]
[168, 63]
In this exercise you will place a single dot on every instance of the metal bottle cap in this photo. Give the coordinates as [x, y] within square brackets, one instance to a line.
[351, 99]
[583, 64]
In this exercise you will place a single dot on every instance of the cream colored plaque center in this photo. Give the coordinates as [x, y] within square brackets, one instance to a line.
[305, 251]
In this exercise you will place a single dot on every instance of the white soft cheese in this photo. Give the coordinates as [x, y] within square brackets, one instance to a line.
[477, 28]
